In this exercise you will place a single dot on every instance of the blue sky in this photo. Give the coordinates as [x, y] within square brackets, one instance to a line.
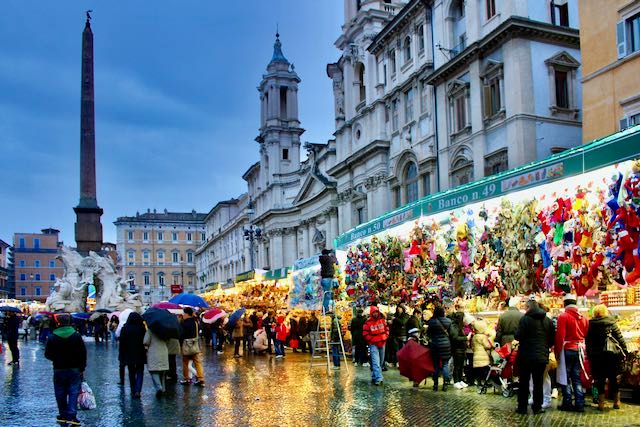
[177, 108]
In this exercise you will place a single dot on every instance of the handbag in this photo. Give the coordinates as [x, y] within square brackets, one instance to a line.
[612, 346]
[86, 398]
[191, 346]
[293, 343]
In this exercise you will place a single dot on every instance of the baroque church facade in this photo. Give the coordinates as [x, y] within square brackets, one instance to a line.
[428, 95]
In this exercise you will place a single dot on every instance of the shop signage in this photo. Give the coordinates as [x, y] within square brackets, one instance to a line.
[604, 152]
[176, 289]
[247, 275]
[306, 262]
[279, 273]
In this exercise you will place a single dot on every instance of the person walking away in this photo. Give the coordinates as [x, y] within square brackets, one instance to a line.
[98, 333]
[268, 323]
[327, 273]
[24, 326]
[11, 326]
[605, 363]
[247, 339]
[303, 331]
[294, 333]
[218, 331]
[535, 335]
[237, 335]
[356, 327]
[157, 360]
[173, 350]
[113, 325]
[281, 336]
[376, 333]
[190, 331]
[508, 322]
[569, 348]
[438, 332]
[132, 353]
[313, 330]
[335, 340]
[481, 345]
[66, 350]
[458, 348]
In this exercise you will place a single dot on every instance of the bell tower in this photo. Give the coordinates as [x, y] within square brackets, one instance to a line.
[279, 123]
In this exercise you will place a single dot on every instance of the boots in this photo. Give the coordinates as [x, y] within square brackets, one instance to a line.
[601, 402]
[435, 385]
[616, 401]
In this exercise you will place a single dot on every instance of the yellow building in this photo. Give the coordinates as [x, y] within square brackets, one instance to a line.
[156, 252]
[610, 46]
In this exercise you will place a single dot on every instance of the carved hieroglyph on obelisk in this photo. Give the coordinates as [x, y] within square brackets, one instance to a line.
[88, 228]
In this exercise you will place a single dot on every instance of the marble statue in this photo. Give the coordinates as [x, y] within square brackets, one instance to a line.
[70, 291]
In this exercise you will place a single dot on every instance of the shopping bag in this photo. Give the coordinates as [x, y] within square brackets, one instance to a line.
[293, 343]
[86, 399]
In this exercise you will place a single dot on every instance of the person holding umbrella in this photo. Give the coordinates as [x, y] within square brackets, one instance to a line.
[157, 360]
[132, 353]
[191, 348]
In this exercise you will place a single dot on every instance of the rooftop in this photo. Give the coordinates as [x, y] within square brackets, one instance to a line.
[166, 216]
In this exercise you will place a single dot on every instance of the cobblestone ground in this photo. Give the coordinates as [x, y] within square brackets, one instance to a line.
[260, 390]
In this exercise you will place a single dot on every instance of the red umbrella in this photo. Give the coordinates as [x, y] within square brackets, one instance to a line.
[210, 316]
[167, 306]
[415, 362]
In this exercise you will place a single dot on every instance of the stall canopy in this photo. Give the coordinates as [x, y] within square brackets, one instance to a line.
[277, 274]
[607, 151]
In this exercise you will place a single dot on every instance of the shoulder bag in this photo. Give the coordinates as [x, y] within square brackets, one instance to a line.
[191, 346]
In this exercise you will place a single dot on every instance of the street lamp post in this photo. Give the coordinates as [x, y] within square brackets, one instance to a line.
[252, 233]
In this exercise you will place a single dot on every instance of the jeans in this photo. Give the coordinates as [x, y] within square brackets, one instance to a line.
[458, 366]
[546, 389]
[173, 369]
[197, 362]
[113, 336]
[361, 353]
[444, 369]
[335, 354]
[136, 375]
[158, 378]
[572, 361]
[237, 342]
[66, 384]
[377, 358]
[15, 351]
[279, 347]
[326, 287]
[535, 372]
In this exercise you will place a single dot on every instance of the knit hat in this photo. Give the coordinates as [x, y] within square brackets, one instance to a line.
[413, 331]
[569, 299]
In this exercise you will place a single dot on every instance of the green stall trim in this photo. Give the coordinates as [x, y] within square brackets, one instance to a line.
[600, 153]
[247, 275]
[278, 273]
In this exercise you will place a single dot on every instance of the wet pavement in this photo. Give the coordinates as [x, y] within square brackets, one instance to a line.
[264, 391]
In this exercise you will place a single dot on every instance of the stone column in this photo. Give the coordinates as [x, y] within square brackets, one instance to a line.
[305, 238]
[333, 227]
[311, 231]
[276, 249]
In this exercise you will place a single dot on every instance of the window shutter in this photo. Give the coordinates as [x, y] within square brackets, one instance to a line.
[624, 123]
[486, 101]
[621, 38]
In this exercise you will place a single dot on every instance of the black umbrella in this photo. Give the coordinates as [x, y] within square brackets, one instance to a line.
[102, 310]
[162, 323]
[10, 309]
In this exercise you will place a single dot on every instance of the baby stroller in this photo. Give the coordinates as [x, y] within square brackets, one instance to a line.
[502, 373]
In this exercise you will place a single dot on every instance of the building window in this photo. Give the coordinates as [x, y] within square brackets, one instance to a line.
[37, 277]
[491, 8]
[360, 215]
[398, 197]
[160, 236]
[628, 35]
[462, 168]
[130, 235]
[131, 257]
[411, 182]
[145, 236]
[174, 236]
[424, 97]
[189, 237]
[36, 263]
[21, 244]
[362, 90]
[176, 278]
[496, 162]
[36, 243]
[23, 291]
[283, 102]
[52, 277]
[420, 37]
[394, 114]
[392, 61]
[38, 291]
[189, 257]
[285, 154]
[146, 277]
[408, 106]
[22, 263]
[492, 89]
[629, 121]
[426, 184]
[562, 84]
[407, 49]
[160, 257]
[458, 94]
[161, 279]
[174, 257]
[560, 12]
[458, 28]
[23, 277]
[203, 236]
[145, 257]
[52, 264]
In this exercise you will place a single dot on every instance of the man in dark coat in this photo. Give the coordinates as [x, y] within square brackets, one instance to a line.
[508, 322]
[11, 325]
[312, 327]
[438, 332]
[131, 352]
[66, 350]
[303, 331]
[327, 273]
[356, 326]
[414, 321]
[458, 347]
[268, 323]
[535, 335]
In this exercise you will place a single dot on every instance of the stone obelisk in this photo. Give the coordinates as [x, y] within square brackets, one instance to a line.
[88, 228]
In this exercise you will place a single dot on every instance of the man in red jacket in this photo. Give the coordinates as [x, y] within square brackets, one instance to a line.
[376, 332]
[569, 344]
